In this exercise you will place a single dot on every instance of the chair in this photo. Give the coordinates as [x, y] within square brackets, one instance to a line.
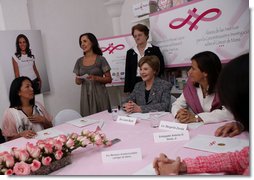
[66, 115]
[173, 99]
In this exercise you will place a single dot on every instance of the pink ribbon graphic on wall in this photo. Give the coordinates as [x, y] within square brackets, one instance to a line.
[111, 48]
[192, 13]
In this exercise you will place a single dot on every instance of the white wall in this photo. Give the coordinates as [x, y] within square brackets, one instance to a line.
[61, 22]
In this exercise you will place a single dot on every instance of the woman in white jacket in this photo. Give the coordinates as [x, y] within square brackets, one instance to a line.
[199, 101]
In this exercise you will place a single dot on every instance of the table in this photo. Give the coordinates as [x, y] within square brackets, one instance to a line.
[88, 161]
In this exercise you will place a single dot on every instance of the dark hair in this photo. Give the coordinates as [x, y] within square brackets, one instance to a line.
[95, 45]
[233, 88]
[152, 61]
[142, 28]
[209, 63]
[18, 50]
[14, 92]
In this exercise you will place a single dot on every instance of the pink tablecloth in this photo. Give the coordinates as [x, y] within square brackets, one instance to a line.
[88, 161]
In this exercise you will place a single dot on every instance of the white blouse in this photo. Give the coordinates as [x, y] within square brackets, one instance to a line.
[217, 115]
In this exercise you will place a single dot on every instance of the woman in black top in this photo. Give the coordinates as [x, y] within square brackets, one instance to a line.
[141, 34]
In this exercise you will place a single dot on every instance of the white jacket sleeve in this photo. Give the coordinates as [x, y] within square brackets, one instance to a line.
[178, 104]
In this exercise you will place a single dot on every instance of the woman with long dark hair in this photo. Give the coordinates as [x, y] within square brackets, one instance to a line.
[23, 62]
[92, 73]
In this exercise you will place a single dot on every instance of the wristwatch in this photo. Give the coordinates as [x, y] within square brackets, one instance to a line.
[196, 118]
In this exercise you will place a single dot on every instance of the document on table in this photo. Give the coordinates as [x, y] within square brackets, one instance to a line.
[216, 144]
[48, 133]
[81, 122]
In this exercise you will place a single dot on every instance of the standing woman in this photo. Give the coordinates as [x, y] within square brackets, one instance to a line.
[92, 73]
[141, 34]
[24, 62]
[199, 100]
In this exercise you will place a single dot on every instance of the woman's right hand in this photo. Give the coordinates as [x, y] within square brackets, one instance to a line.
[78, 80]
[28, 134]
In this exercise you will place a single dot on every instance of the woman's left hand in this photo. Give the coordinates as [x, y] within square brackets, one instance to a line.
[185, 116]
[37, 119]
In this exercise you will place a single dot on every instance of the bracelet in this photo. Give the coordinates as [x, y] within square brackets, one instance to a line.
[196, 118]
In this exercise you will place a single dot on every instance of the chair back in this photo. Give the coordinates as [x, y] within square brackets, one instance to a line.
[66, 115]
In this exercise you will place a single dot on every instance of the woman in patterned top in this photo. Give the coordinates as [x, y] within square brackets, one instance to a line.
[233, 88]
[24, 117]
[152, 93]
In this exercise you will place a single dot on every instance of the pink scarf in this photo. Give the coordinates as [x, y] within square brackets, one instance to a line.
[191, 96]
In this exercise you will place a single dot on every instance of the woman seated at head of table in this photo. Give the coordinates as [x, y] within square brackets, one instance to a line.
[199, 100]
[152, 93]
[24, 117]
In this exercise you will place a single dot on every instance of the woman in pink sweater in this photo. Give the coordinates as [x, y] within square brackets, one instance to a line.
[233, 89]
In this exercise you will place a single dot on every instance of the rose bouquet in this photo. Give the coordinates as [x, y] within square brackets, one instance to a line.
[46, 152]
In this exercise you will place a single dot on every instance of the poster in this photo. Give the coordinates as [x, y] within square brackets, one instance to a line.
[114, 50]
[8, 49]
[222, 27]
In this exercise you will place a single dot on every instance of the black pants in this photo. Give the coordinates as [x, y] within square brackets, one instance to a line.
[2, 139]
[36, 86]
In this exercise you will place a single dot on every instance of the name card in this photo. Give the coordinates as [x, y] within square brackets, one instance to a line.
[166, 125]
[121, 155]
[171, 136]
[126, 120]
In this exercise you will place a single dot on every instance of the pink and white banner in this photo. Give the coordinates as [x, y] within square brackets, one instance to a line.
[220, 26]
[114, 50]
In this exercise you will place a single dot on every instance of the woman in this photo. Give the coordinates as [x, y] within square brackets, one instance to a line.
[152, 93]
[140, 34]
[24, 62]
[25, 117]
[199, 101]
[92, 73]
[233, 89]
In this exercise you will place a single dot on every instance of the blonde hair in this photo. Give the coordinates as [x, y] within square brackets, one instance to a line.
[152, 61]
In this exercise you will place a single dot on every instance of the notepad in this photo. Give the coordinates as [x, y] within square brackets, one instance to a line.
[81, 122]
[216, 144]
[48, 133]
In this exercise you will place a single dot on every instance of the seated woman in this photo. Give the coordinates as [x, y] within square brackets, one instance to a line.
[152, 93]
[199, 101]
[233, 89]
[25, 116]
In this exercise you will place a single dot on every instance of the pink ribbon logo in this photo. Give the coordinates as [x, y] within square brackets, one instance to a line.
[198, 18]
[111, 48]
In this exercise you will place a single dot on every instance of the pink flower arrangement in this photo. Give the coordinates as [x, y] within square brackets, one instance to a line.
[33, 157]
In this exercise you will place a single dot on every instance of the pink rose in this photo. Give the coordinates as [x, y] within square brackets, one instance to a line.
[8, 172]
[108, 143]
[84, 141]
[62, 138]
[48, 148]
[58, 144]
[98, 140]
[85, 132]
[9, 160]
[23, 155]
[34, 151]
[70, 143]
[74, 136]
[46, 161]
[35, 165]
[21, 168]
[40, 144]
[58, 154]
[15, 152]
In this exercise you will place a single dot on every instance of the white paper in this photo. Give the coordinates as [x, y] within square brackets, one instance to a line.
[147, 170]
[83, 77]
[48, 133]
[216, 144]
[121, 155]
[81, 122]
[166, 125]
[171, 136]
[126, 120]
